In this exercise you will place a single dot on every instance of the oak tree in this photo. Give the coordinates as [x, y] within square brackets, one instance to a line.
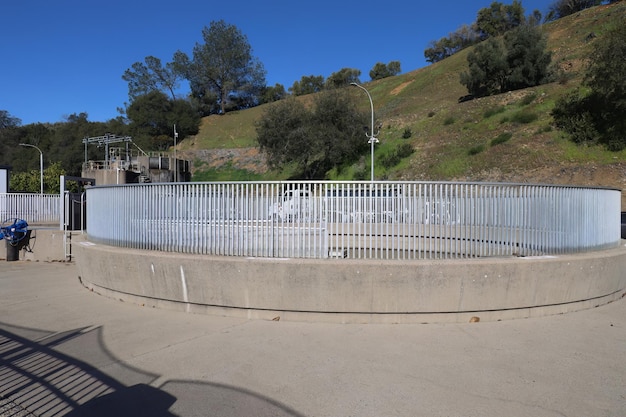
[143, 78]
[307, 85]
[223, 65]
[381, 70]
[499, 18]
[315, 140]
[343, 78]
[517, 60]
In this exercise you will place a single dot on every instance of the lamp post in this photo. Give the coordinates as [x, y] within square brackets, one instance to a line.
[372, 135]
[40, 165]
[175, 160]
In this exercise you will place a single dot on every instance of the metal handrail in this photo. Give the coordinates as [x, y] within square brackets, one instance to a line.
[367, 220]
[34, 208]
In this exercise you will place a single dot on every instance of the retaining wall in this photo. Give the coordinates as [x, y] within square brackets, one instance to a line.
[355, 291]
[46, 245]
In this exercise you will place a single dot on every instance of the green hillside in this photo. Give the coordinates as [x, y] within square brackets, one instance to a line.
[507, 137]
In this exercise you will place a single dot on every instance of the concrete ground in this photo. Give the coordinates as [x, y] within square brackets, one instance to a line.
[67, 351]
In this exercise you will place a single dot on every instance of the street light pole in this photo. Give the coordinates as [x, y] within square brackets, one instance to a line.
[372, 135]
[175, 160]
[40, 165]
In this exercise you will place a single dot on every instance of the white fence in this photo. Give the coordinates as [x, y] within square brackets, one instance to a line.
[34, 208]
[379, 220]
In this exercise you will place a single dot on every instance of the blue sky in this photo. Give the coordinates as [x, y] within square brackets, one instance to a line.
[68, 56]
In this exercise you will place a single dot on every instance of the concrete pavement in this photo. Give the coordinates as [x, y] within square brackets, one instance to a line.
[67, 351]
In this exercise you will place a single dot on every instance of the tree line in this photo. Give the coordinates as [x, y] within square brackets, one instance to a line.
[61, 145]
[498, 19]
[224, 75]
[492, 21]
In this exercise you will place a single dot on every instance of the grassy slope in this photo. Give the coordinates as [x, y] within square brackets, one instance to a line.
[448, 136]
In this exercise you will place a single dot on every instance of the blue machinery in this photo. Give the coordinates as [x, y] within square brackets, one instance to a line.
[17, 235]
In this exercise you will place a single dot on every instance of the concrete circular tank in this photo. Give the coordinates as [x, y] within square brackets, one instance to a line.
[355, 291]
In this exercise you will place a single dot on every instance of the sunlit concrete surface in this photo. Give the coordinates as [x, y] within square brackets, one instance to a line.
[69, 351]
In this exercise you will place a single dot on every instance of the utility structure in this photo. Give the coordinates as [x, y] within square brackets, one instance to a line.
[372, 136]
[125, 165]
[106, 140]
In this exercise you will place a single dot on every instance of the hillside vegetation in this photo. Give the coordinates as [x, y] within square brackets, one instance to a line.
[507, 137]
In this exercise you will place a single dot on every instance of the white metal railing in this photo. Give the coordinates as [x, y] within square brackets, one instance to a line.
[34, 208]
[379, 220]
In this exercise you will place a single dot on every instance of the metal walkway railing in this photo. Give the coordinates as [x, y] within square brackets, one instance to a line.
[34, 208]
[371, 220]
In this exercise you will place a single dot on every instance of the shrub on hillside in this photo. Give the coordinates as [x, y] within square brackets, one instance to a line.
[529, 98]
[476, 150]
[501, 138]
[404, 150]
[573, 114]
[394, 157]
[598, 116]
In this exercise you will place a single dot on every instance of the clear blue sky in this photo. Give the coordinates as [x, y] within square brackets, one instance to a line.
[68, 56]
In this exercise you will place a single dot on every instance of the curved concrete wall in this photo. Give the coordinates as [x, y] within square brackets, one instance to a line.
[344, 290]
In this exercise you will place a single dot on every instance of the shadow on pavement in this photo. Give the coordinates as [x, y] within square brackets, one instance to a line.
[38, 376]
[138, 400]
[210, 399]
[40, 379]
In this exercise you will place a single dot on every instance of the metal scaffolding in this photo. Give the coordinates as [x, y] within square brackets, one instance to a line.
[107, 139]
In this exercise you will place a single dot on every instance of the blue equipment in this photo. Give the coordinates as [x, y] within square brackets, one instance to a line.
[15, 232]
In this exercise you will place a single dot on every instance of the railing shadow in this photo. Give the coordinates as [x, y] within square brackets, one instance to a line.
[48, 374]
[46, 382]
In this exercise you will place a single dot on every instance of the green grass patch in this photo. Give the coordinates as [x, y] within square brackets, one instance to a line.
[492, 111]
[544, 129]
[198, 163]
[451, 168]
[227, 173]
[573, 152]
[524, 117]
